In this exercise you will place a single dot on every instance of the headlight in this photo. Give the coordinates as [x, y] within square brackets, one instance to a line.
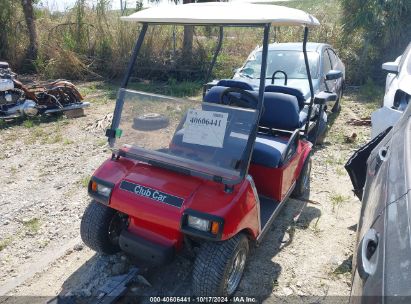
[209, 225]
[100, 190]
[198, 223]
[103, 190]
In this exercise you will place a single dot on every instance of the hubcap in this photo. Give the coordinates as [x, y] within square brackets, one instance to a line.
[236, 271]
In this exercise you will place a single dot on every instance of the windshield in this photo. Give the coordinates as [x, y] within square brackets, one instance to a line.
[291, 62]
[200, 139]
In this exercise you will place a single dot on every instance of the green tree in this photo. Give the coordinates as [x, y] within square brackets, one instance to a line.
[381, 29]
[31, 29]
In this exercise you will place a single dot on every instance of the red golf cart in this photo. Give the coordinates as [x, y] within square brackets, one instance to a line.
[211, 174]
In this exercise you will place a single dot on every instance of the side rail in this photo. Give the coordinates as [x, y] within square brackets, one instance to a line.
[291, 147]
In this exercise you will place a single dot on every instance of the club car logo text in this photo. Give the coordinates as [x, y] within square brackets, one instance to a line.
[151, 194]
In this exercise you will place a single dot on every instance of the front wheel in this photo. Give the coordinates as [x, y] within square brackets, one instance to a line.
[101, 227]
[219, 267]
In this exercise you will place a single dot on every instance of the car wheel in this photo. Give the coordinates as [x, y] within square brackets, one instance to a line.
[150, 122]
[322, 132]
[302, 185]
[101, 227]
[219, 267]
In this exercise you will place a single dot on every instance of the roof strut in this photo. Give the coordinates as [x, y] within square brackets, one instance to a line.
[263, 67]
[310, 82]
[217, 51]
[110, 133]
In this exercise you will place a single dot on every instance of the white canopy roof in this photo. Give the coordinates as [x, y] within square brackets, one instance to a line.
[223, 13]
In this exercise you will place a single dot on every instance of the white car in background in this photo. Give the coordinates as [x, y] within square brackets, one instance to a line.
[395, 99]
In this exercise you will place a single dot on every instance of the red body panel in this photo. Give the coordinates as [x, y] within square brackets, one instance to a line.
[160, 223]
[276, 182]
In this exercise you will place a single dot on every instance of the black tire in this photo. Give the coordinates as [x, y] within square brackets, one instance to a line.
[322, 132]
[321, 138]
[302, 185]
[213, 265]
[150, 122]
[97, 228]
[337, 106]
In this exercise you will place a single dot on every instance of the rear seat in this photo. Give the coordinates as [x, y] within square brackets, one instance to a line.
[281, 111]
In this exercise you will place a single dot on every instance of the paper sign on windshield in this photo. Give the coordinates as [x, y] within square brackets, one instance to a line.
[205, 128]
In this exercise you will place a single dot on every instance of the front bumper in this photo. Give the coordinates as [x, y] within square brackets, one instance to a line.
[148, 252]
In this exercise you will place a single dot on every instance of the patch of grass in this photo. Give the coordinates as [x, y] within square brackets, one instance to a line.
[28, 123]
[344, 268]
[316, 227]
[67, 141]
[13, 170]
[85, 181]
[33, 225]
[43, 244]
[340, 171]
[170, 88]
[88, 90]
[337, 200]
[370, 92]
[5, 242]
[55, 138]
[102, 142]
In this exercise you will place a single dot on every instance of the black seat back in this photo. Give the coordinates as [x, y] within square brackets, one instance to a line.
[287, 90]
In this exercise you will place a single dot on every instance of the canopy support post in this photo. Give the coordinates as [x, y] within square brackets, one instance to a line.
[134, 55]
[217, 51]
[310, 82]
[120, 97]
[263, 67]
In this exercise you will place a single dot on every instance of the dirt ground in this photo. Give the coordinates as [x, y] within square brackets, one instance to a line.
[44, 170]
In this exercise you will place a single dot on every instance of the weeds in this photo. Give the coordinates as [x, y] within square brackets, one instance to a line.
[340, 171]
[337, 200]
[28, 123]
[13, 170]
[33, 225]
[102, 142]
[67, 141]
[85, 181]
[371, 94]
[316, 227]
[5, 242]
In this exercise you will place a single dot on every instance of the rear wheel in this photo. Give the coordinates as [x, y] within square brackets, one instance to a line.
[302, 185]
[337, 106]
[101, 227]
[219, 267]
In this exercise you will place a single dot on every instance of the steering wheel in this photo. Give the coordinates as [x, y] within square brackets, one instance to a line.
[244, 100]
[281, 72]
